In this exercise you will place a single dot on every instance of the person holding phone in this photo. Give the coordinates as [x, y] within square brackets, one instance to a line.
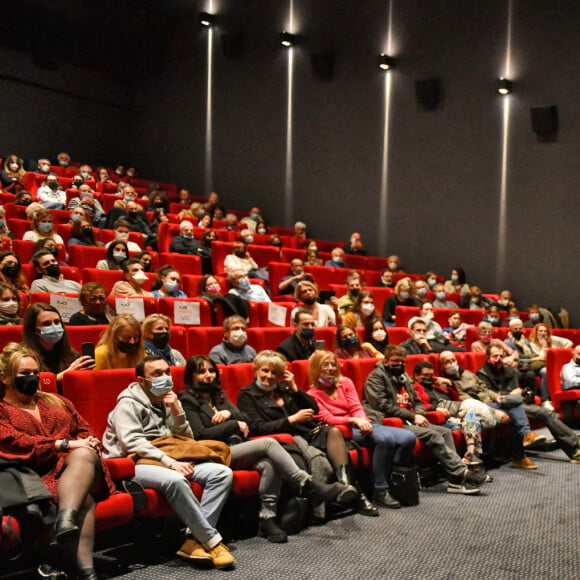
[44, 333]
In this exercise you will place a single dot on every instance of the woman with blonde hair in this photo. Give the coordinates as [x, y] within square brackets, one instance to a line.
[339, 404]
[404, 296]
[156, 331]
[45, 432]
[121, 347]
[306, 294]
[12, 174]
[42, 227]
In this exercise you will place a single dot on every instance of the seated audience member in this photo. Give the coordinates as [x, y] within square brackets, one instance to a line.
[505, 380]
[86, 199]
[387, 279]
[435, 336]
[145, 257]
[362, 310]
[166, 285]
[240, 259]
[353, 286]
[231, 222]
[42, 227]
[456, 330]
[46, 433]
[12, 175]
[4, 229]
[192, 212]
[44, 333]
[262, 229]
[242, 288]
[184, 196]
[252, 221]
[158, 217]
[337, 259]
[394, 264]
[52, 280]
[306, 294]
[570, 373]
[492, 316]
[403, 296]
[514, 312]
[247, 236]
[135, 277]
[93, 299]
[457, 282]
[312, 258]
[63, 159]
[300, 344]
[213, 202]
[421, 290]
[485, 333]
[348, 343]
[146, 410]
[50, 245]
[184, 242]
[117, 252]
[121, 345]
[156, 333]
[121, 230]
[23, 198]
[50, 194]
[212, 416]
[137, 219]
[507, 408]
[11, 272]
[77, 214]
[417, 342]
[288, 284]
[43, 167]
[439, 394]
[209, 289]
[275, 240]
[204, 251]
[441, 298]
[538, 314]
[430, 279]
[339, 404]
[474, 299]
[389, 392]
[355, 245]
[32, 208]
[158, 200]
[9, 306]
[83, 234]
[541, 339]
[530, 365]
[300, 231]
[234, 347]
[376, 337]
[273, 403]
[86, 171]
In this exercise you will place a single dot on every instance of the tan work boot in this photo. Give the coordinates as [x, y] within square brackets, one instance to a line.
[533, 438]
[525, 463]
[221, 556]
[193, 550]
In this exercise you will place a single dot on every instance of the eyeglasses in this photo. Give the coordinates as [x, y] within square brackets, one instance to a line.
[326, 365]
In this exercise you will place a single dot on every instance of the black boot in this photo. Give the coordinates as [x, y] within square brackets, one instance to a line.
[321, 492]
[269, 529]
[66, 530]
[363, 506]
[87, 574]
[383, 498]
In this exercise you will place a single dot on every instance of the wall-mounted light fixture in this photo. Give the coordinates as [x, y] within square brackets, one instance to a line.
[287, 39]
[385, 61]
[504, 86]
[206, 19]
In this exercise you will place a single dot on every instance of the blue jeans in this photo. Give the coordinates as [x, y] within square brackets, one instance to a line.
[390, 445]
[200, 518]
[519, 428]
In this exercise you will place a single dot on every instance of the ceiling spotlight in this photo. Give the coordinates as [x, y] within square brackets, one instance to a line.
[206, 19]
[386, 62]
[288, 39]
[504, 86]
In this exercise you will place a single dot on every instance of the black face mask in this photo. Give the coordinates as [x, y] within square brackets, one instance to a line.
[517, 334]
[427, 382]
[53, 271]
[160, 339]
[396, 370]
[354, 292]
[26, 384]
[128, 347]
[208, 387]
[25, 202]
[309, 301]
[11, 270]
[87, 231]
[146, 266]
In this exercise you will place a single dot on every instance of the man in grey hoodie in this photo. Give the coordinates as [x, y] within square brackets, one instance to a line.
[148, 409]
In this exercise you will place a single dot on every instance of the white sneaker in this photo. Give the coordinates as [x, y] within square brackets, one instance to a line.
[547, 404]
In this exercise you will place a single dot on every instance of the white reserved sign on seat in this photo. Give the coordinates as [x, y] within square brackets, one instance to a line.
[186, 313]
[133, 306]
[66, 305]
[277, 314]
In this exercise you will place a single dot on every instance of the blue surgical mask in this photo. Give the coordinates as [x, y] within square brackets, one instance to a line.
[441, 296]
[51, 334]
[421, 291]
[45, 227]
[119, 256]
[161, 385]
[170, 286]
[349, 341]
[337, 259]
[86, 175]
[76, 217]
[454, 277]
[264, 387]
[244, 284]
[452, 370]
[328, 383]
[405, 295]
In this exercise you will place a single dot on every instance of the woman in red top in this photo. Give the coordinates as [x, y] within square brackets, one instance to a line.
[46, 433]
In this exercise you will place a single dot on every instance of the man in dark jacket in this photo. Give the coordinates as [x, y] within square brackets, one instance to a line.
[300, 345]
[185, 243]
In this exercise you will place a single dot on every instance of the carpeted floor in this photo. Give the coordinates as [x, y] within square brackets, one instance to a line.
[524, 525]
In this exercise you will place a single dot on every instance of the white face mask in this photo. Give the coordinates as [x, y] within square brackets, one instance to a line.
[379, 335]
[238, 337]
[140, 276]
[428, 316]
[122, 236]
[14, 166]
[368, 309]
[10, 307]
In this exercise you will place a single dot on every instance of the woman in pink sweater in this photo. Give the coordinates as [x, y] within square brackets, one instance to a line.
[339, 405]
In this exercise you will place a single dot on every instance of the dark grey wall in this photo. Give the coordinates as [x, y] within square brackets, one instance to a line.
[444, 166]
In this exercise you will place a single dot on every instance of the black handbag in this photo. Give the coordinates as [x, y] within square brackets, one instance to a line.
[404, 485]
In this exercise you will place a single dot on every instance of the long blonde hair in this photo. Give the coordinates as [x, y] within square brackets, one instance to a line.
[10, 359]
[109, 341]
